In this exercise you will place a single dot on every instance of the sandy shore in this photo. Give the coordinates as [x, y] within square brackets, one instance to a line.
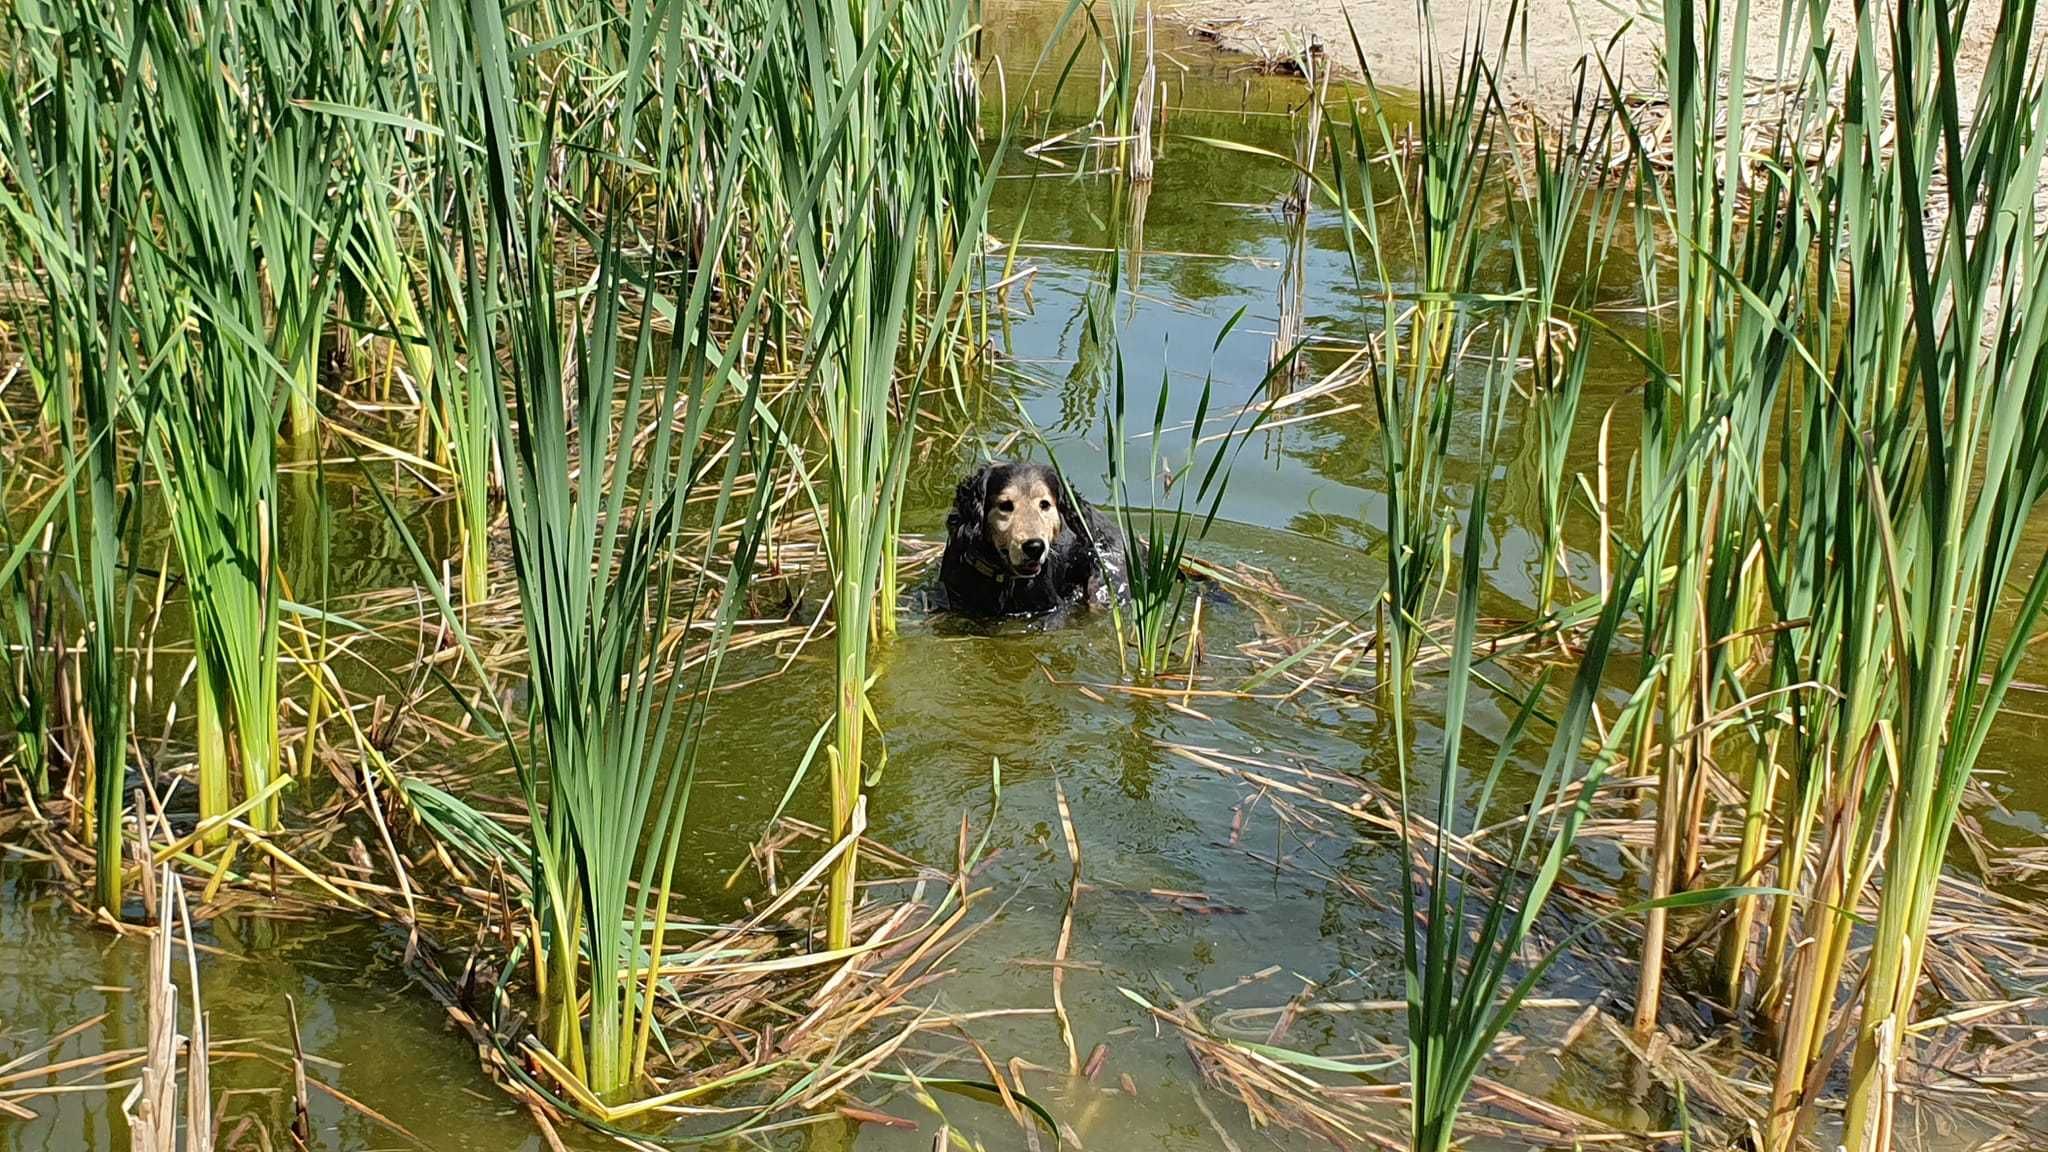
[1540, 71]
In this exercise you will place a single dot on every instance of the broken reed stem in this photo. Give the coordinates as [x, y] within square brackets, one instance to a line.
[1059, 958]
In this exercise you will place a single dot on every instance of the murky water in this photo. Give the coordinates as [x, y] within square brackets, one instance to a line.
[1174, 907]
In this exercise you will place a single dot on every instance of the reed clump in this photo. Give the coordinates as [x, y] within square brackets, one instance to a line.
[1856, 331]
[70, 198]
[1818, 546]
[883, 190]
[1417, 359]
[648, 278]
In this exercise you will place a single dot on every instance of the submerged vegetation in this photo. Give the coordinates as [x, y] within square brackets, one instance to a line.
[672, 308]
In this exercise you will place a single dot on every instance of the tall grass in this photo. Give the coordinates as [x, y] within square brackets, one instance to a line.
[1968, 411]
[600, 450]
[1440, 173]
[1572, 211]
[1864, 311]
[26, 670]
[69, 192]
[1740, 260]
[1467, 962]
[294, 57]
[410, 282]
[1451, 1024]
[866, 122]
[1123, 98]
[1156, 533]
[229, 165]
[1293, 291]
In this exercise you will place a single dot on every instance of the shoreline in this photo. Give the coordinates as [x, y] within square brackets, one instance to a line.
[1541, 69]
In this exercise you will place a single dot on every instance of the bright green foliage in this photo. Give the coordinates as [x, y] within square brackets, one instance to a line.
[873, 140]
[25, 620]
[1156, 540]
[235, 177]
[1861, 338]
[1417, 365]
[1739, 264]
[1957, 438]
[69, 192]
[395, 265]
[599, 450]
[1571, 214]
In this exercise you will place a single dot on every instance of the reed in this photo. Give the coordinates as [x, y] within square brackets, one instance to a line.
[860, 98]
[1292, 298]
[231, 339]
[1468, 970]
[1157, 534]
[1829, 569]
[1570, 212]
[1440, 174]
[1866, 348]
[415, 287]
[1451, 1024]
[1740, 253]
[1123, 98]
[26, 671]
[294, 54]
[1967, 416]
[69, 193]
[600, 451]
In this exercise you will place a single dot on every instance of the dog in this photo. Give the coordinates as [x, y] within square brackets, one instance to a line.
[1018, 543]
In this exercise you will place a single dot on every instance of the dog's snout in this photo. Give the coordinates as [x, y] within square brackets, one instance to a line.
[1034, 549]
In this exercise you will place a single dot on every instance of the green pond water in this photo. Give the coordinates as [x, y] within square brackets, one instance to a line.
[1303, 505]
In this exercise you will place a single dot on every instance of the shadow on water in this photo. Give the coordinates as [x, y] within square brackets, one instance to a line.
[1188, 887]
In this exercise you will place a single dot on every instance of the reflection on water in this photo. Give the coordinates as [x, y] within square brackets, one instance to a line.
[1189, 888]
[363, 1033]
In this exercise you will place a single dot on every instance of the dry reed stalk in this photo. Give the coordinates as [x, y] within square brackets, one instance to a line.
[1142, 112]
[1059, 955]
[152, 1105]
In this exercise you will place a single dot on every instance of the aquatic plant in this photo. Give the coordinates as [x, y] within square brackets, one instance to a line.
[399, 277]
[25, 666]
[1292, 298]
[1452, 1024]
[295, 53]
[1417, 354]
[860, 100]
[70, 187]
[1901, 394]
[1124, 103]
[1961, 445]
[230, 336]
[600, 451]
[1740, 262]
[1467, 972]
[1156, 536]
[1571, 213]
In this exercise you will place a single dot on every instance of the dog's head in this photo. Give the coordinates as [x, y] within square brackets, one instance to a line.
[1019, 512]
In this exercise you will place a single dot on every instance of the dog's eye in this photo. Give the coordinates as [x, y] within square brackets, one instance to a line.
[1007, 505]
[1045, 505]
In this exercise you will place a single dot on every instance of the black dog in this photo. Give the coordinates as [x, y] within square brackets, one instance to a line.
[1019, 544]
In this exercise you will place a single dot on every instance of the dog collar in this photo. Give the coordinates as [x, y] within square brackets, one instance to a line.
[999, 575]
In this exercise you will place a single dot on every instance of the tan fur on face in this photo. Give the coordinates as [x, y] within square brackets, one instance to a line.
[1022, 511]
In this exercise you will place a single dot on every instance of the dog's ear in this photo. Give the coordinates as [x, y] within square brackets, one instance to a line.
[1072, 519]
[970, 503]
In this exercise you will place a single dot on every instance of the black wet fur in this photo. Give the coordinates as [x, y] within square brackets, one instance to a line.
[1084, 565]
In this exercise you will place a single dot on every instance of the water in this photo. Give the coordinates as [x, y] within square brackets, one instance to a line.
[1179, 899]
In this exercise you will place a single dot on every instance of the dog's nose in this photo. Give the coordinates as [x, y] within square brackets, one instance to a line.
[1033, 549]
